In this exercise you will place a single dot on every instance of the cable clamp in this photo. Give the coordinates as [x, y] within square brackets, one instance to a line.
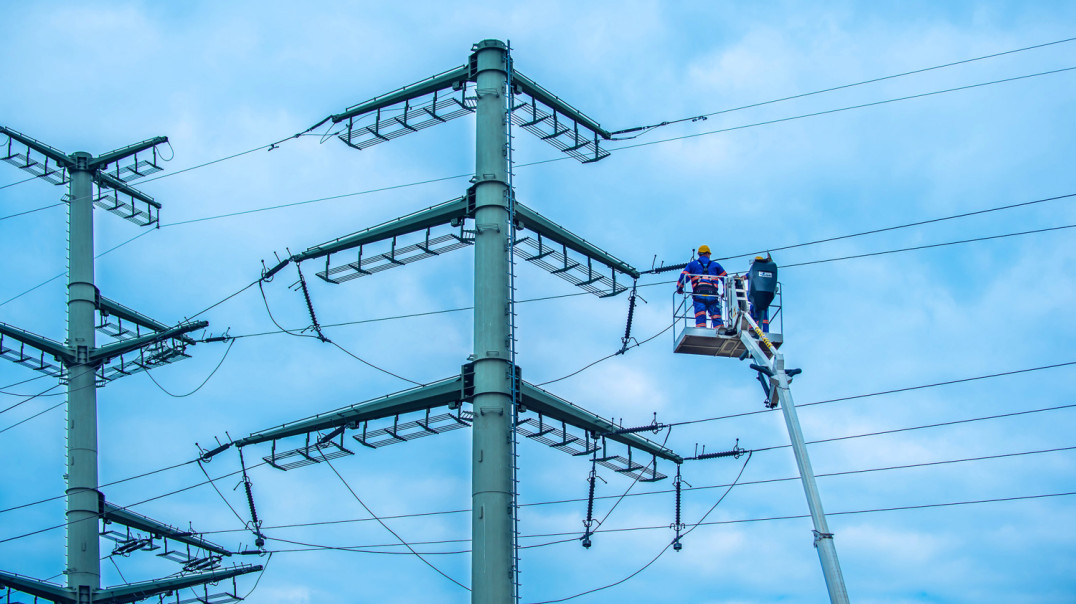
[818, 536]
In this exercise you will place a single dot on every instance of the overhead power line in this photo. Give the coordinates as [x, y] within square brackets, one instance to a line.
[661, 492]
[50, 280]
[741, 127]
[386, 527]
[204, 382]
[127, 507]
[681, 423]
[933, 245]
[19, 182]
[831, 111]
[884, 392]
[786, 247]
[903, 226]
[696, 118]
[923, 427]
[690, 528]
[828, 513]
[756, 450]
[53, 205]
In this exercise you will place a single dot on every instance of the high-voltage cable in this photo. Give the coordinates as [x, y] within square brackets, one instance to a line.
[933, 245]
[2, 218]
[571, 537]
[903, 226]
[702, 117]
[672, 267]
[822, 402]
[51, 279]
[386, 527]
[605, 358]
[832, 111]
[657, 492]
[663, 550]
[458, 176]
[231, 342]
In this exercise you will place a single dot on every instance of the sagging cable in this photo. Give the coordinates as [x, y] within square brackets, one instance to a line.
[259, 538]
[309, 304]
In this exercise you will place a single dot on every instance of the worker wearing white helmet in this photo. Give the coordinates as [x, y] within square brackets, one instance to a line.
[761, 289]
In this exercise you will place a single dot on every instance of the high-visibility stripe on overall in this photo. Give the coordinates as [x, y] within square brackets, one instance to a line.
[705, 279]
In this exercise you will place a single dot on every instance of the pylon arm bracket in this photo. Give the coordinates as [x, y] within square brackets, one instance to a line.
[107, 180]
[437, 394]
[554, 232]
[41, 343]
[50, 152]
[430, 217]
[147, 589]
[38, 589]
[112, 513]
[110, 351]
[111, 307]
[428, 86]
[113, 156]
[553, 407]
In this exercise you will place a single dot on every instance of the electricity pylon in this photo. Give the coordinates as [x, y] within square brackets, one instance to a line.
[489, 382]
[86, 366]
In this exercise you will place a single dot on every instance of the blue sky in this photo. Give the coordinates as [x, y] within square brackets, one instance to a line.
[223, 78]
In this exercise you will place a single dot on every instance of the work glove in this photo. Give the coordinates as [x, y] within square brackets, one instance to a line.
[679, 290]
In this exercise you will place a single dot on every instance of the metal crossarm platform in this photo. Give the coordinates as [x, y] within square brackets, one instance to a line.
[552, 407]
[450, 393]
[110, 190]
[109, 309]
[597, 270]
[118, 515]
[147, 589]
[438, 394]
[369, 263]
[432, 101]
[34, 157]
[125, 594]
[321, 450]
[383, 257]
[551, 119]
[413, 115]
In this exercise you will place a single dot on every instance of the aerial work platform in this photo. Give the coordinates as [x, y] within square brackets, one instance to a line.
[707, 341]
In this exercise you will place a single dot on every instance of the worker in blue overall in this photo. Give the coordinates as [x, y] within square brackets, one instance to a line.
[761, 288]
[705, 276]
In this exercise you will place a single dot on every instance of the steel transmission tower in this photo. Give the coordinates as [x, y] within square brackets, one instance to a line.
[489, 382]
[103, 182]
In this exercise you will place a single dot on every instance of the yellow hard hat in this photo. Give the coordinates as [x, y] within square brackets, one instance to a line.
[704, 249]
[760, 258]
